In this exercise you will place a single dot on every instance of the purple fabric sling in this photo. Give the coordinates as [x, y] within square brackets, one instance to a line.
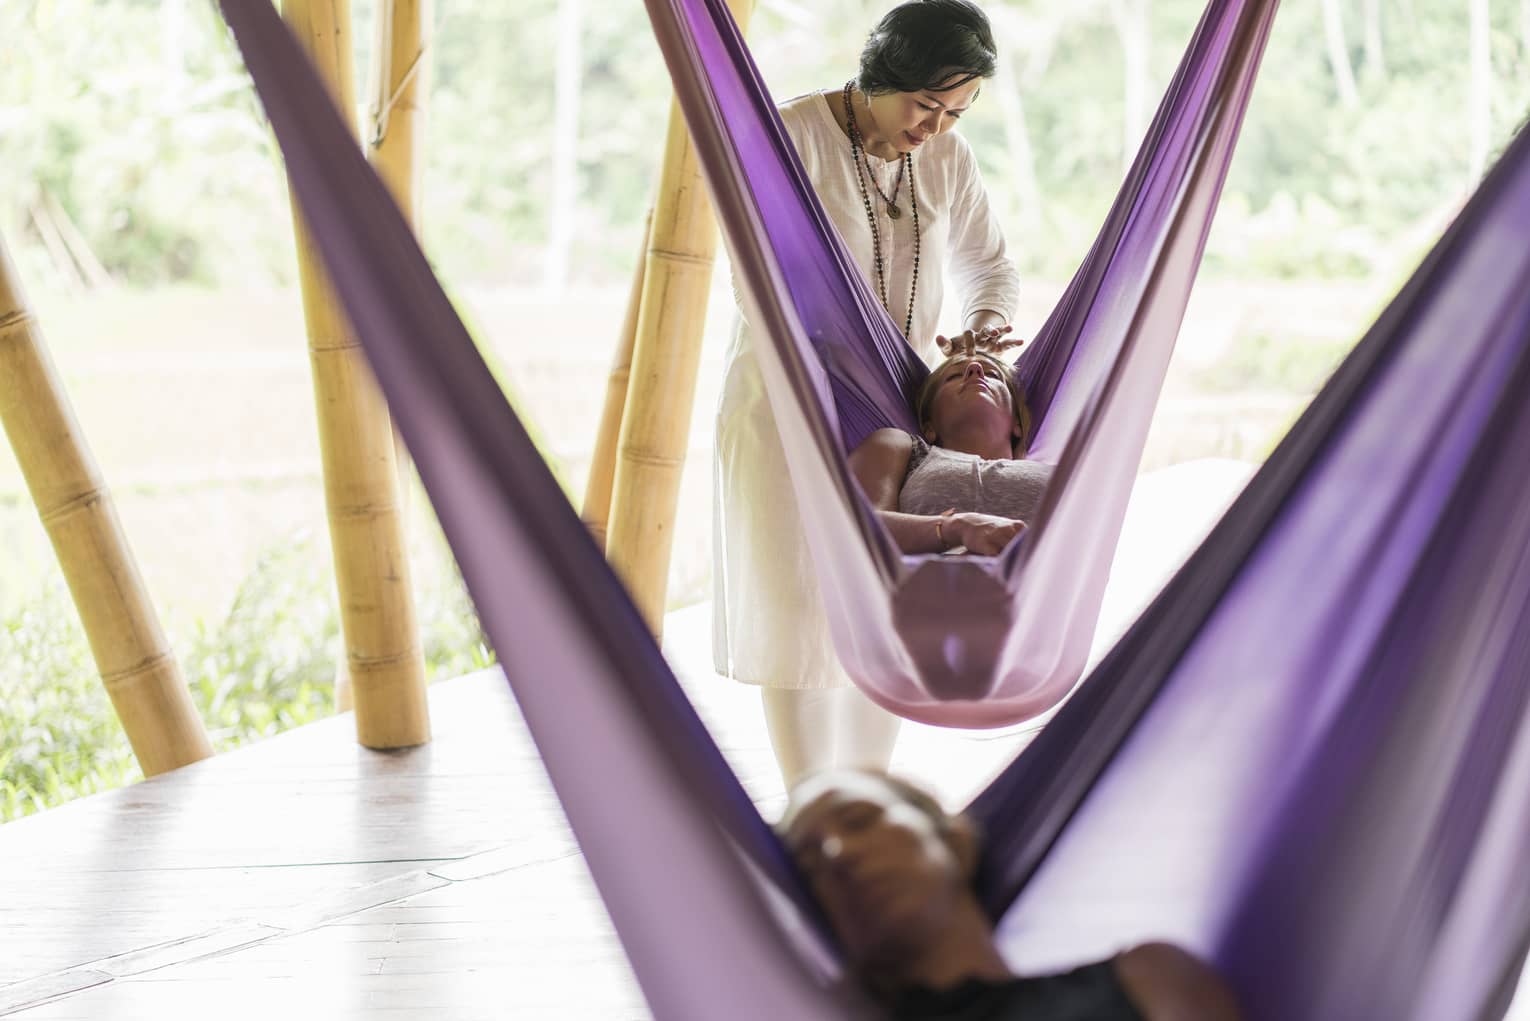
[1309, 760]
[963, 641]
[540, 586]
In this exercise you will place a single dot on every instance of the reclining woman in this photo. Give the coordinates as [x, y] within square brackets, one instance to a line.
[965, 482]
[893, 873]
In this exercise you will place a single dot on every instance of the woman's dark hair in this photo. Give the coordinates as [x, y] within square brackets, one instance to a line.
[960, 832]
[928, 45]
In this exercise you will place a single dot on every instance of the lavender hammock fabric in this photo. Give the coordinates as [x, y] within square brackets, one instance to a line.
[963, 641]
[1310, 759]
[1348, 656]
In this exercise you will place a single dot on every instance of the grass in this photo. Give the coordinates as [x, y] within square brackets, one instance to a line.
[1264, 364]
[262, 666]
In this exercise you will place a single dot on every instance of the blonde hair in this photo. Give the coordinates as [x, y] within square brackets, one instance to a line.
[924, 400]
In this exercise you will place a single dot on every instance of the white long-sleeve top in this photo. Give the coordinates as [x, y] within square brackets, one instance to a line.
[769, 625]
[958, 231]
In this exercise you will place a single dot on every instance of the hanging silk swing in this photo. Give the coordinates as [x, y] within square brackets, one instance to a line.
[962, 641]
[1309, 760]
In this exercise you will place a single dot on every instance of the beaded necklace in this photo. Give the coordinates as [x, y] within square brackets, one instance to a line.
[862, 172]
[891, 201]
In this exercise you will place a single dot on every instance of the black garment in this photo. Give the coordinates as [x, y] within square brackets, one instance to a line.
[1090, 993]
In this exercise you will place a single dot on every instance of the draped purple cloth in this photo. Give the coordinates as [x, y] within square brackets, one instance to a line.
[963, 641]
[541, 586]
[1310, 759]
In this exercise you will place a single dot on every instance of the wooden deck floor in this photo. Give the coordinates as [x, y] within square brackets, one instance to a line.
[305, 877]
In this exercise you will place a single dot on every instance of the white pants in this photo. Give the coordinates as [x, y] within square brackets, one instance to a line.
[812, 729]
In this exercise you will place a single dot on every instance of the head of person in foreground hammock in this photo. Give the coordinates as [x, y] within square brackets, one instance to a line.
[963, 483]
[893, 872]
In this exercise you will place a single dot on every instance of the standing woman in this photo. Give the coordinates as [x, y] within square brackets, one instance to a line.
[903, 191]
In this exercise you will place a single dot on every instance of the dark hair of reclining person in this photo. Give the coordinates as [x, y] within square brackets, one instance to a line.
[893, 872]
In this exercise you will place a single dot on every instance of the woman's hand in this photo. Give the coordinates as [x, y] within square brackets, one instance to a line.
[988, 339]
[983, 534]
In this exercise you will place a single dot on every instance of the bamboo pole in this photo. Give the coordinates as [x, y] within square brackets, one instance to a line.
[400, 87]
[657, 420]
[361, 487]
[596, 509]
[395, 133]
[137, 666]
[400, 84]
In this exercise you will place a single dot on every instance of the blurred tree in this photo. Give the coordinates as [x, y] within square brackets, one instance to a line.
[1338, 53]
[563, 211]
[1375, 54]
[1131, 21]
[151, 163]
[1481, 112]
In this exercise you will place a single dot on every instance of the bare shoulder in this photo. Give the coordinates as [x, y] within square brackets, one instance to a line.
[886, 443]
[879, 464]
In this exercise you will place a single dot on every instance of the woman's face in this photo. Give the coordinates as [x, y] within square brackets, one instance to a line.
[909, 119]
[885, 874]
[970, 391]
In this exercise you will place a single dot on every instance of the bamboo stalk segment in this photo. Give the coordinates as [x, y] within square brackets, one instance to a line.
[129, 646]
[400, 83]
[596, 509]
[656, 423]
[395, 134]
[400, 87]
[361, 487]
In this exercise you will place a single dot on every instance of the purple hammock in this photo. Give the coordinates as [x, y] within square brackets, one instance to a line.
[1309, 760]
[963, 641]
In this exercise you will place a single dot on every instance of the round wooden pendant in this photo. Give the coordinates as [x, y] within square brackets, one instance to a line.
[893, 211]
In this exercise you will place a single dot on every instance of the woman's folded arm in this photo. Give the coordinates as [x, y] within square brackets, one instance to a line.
[880, 464]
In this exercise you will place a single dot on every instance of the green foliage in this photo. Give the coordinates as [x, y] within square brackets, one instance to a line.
[268, 665]
[58, 736]
[134, 123]
[157, 151]
[151, 150]
[1260, 363]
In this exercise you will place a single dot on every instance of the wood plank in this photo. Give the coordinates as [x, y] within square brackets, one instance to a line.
[535, 937]
[307, 876]
[277, 826]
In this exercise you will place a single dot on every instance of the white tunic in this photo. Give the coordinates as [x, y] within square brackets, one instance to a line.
[768, 621]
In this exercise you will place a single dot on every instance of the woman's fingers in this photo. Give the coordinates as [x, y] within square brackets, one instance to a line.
[988, 339]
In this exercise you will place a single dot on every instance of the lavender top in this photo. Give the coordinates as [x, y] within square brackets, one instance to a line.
[939, 479]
